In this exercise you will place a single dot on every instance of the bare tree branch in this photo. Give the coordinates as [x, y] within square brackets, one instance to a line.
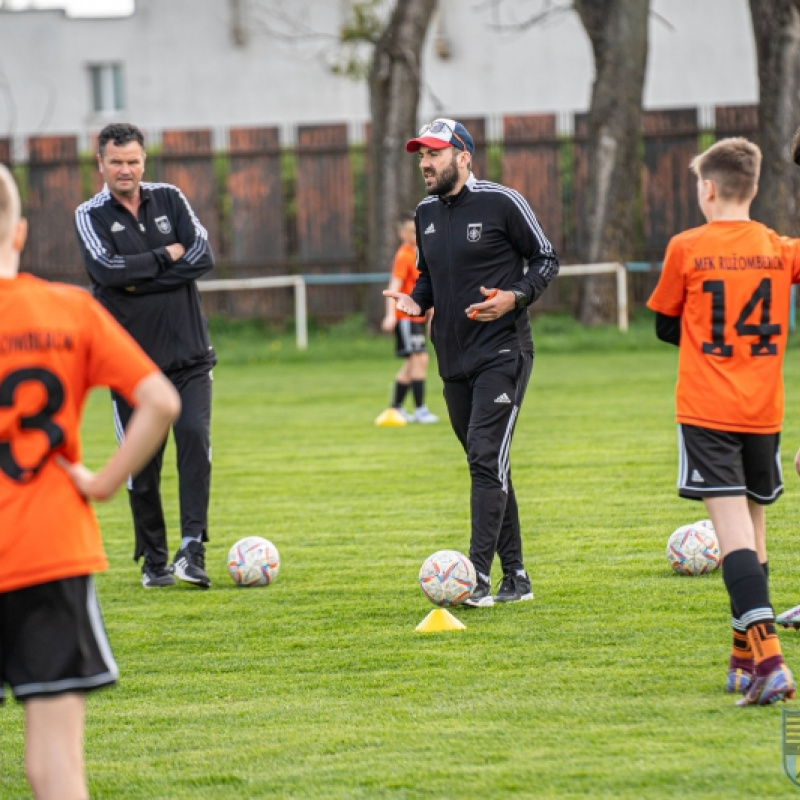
[547, 9]
[381, 40]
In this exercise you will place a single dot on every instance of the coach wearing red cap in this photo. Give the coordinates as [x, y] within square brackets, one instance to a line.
[483, 258]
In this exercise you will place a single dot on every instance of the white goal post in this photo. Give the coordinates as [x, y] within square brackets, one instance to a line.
[610, 267]
[298, 282]
[276, 282]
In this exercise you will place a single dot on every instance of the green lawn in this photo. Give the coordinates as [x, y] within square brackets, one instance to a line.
[609, 684]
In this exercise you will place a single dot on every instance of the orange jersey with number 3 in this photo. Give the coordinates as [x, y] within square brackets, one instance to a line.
[730, 282]
[56, 343]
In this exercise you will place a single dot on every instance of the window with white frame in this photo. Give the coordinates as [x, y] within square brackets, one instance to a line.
[108, 87]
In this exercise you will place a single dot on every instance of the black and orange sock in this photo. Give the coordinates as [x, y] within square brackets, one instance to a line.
[741, 651]
[746, 582]
[766, 647]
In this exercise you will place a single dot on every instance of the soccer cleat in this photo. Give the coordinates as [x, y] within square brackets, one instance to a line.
[190, 565]
[790, 618]
[425, 417]
[156, 575]
[481, 596]
[514, 588]
[738, 681]
[406, 416]
[778, 685]
[391, 418]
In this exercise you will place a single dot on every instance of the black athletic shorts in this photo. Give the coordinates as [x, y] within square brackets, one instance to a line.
[409, 337]
[52, 640]
[727, 464]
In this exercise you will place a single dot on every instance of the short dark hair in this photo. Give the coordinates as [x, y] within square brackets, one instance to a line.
[119, 133]
[405, 216]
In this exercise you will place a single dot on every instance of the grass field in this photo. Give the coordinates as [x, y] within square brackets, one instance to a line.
[608, 684]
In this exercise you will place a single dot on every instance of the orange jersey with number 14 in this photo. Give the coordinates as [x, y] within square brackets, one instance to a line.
[730, 283]
[56, 343]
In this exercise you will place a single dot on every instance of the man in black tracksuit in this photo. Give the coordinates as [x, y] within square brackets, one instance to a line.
[474, 239]
[144, 248]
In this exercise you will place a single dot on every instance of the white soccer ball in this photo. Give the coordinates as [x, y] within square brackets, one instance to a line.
[447, 578]
[694, 549]
[253, 561]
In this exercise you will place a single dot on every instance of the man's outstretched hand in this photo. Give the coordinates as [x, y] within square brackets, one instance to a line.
[404, 303]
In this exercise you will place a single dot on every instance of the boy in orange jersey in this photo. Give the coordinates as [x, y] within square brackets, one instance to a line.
[56, 343]
[724, 299]
[409, 331]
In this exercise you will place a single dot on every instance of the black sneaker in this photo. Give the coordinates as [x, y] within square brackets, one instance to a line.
[154, 575]
[514, 588]
[190, 565]
[481, 597]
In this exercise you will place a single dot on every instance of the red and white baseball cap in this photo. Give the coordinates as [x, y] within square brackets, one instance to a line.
[442, 133]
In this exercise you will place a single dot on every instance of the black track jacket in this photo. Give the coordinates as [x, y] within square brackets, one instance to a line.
[153, 297]
[482, 236]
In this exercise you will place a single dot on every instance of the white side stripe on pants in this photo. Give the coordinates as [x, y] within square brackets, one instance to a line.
[505, 449]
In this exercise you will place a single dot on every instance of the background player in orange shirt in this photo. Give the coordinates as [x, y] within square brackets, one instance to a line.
[724, 298]
[409, 331]
[56, 343]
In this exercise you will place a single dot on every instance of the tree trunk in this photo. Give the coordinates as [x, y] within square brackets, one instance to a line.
[776, 27]
[618, 33]
[394, 89]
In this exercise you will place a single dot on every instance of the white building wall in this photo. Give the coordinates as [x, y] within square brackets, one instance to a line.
[183, 69]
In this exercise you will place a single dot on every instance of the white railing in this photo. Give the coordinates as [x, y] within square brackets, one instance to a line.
[298, 282]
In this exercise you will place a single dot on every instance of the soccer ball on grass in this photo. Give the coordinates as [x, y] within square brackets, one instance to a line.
[447, 578]
[694, 549]
[253, 561]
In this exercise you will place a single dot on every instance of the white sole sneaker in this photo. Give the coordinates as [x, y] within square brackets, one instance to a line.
[484, 602]
[790, 618]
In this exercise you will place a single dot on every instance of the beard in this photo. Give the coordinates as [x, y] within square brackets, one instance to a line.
[446, 180]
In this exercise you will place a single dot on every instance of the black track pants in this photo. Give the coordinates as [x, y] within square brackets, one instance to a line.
[483, 411]
[192, 432]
